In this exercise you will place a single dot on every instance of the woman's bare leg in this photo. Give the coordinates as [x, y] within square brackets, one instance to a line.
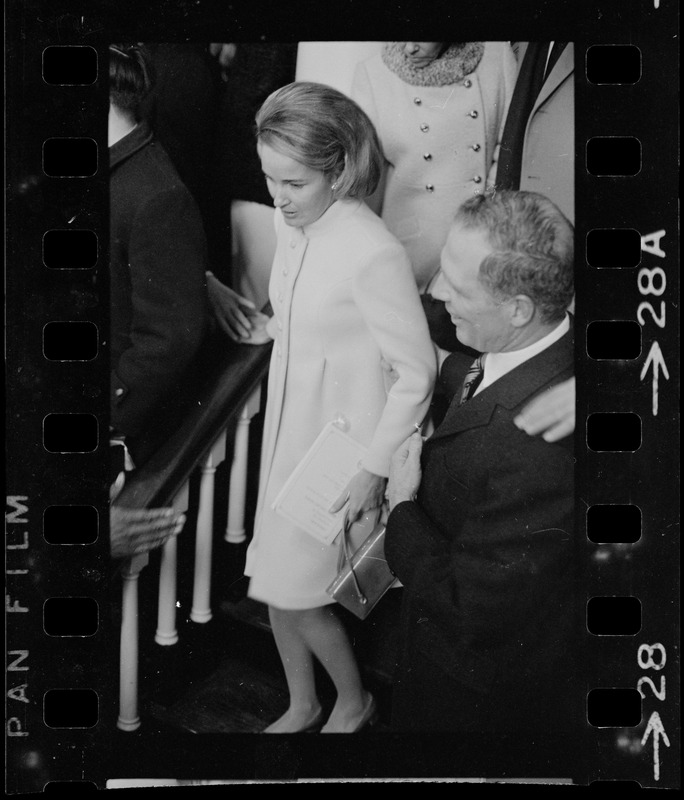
[300, 635]
[299, 672]
[328, 640]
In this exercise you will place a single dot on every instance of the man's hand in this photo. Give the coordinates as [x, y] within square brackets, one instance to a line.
[552, 414]
[138, 530]
[405, 471]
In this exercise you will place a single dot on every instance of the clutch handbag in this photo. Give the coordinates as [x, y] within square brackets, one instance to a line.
[363, 576]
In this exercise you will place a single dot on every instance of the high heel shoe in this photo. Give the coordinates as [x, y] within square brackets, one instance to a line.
[312, 727]
[370, 715]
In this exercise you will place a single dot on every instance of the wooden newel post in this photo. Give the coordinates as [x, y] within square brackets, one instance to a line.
[167, 633]
[201, 609]
[129, 718]
[235, 530]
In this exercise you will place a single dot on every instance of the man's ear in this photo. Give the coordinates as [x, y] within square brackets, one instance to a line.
[522, 310]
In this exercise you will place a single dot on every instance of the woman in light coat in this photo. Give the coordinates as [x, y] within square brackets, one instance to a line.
[439, 110]
[345, 302]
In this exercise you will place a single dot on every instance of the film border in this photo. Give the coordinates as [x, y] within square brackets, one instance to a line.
[35, 387]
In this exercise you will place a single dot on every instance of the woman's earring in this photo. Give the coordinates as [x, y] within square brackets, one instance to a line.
[333, 186]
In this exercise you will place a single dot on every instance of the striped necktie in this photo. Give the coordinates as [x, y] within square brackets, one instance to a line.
[472, 380]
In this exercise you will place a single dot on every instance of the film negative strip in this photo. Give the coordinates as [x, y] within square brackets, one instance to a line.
[79, 708]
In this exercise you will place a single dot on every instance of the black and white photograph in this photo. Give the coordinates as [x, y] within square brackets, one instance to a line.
[342, 394]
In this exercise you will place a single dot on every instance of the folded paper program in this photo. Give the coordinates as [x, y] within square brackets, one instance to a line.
[317, 481]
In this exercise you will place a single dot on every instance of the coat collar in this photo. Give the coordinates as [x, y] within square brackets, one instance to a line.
[512, 389]
[140, 136]
[340, 210]
[561, 70]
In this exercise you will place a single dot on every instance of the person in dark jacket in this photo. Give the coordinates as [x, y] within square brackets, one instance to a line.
[484, 541]
[157, 267]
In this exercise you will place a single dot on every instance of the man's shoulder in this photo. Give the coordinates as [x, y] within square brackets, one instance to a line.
[148, 173]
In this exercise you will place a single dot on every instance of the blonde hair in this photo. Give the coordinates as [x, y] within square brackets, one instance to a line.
[325, 130]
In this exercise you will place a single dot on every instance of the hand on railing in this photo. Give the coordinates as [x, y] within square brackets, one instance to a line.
[138, 530]
[236, 315]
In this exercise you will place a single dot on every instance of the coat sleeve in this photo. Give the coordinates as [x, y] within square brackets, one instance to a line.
[385, 293]
[167, 253]
[507, 558]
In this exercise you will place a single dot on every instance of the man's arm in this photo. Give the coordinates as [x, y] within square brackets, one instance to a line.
[506, 556]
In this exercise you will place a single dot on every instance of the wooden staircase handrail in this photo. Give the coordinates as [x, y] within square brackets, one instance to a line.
[219, 399]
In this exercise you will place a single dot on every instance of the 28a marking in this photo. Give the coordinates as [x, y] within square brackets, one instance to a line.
[653, 281]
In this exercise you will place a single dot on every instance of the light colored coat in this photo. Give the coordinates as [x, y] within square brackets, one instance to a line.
[344, 298]
[548, 160]
[440, 143]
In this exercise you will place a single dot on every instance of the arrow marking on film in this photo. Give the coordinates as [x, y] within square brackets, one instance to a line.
[655, 357]
[655, 724]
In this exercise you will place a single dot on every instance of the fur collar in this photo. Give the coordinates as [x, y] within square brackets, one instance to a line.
[457, 61]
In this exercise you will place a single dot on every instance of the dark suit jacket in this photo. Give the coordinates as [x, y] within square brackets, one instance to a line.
[158, 289]
[486, 556]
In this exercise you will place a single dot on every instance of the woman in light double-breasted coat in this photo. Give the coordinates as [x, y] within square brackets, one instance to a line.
[439, 110]
[344, 301]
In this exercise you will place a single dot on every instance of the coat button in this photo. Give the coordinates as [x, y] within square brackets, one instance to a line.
[477, 179]
[476, 147]
[474, 114]
[293, 243]
[417, 100]
[119, 392]
[285, 271]
[280, 297]
[467, 83]
[427, 156]
[280, 352]
[429, 188]
[425, 127]
[280, 325]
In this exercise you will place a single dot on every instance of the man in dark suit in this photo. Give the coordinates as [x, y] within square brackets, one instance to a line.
[158, 296]
[484, 542]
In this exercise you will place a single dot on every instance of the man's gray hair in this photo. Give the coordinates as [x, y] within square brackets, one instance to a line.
[533, 248]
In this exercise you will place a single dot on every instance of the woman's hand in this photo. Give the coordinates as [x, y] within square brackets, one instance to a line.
[552, 414]
[232, 311]
[365, 491]
[405, 471]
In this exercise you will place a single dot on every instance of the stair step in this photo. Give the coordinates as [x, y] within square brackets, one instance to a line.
[248, 611]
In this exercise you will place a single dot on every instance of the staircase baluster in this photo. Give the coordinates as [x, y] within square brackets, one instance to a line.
[235, 529]
[129, 719]
[167, 633]
[201, 609]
